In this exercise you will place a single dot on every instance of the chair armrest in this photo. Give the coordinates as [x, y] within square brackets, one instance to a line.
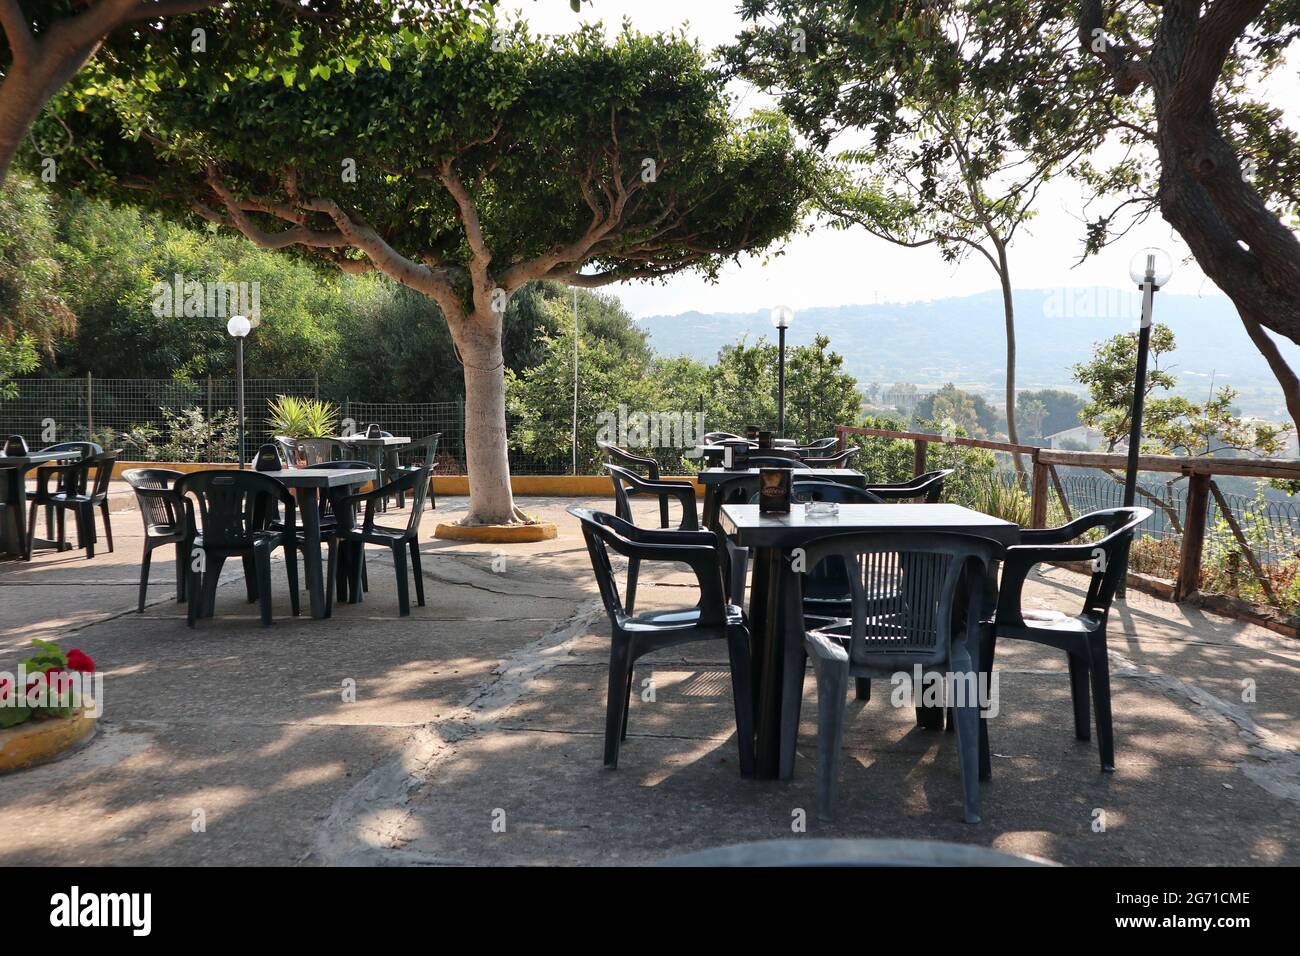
[1062, 534]
[683, 491]
[1018, 560]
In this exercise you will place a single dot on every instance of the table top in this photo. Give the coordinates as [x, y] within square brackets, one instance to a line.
[37, 458]
[363, 440]
[749, 529]
[716, 476]
[321, 477]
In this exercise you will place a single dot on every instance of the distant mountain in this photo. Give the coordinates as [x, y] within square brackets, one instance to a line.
[961, 340]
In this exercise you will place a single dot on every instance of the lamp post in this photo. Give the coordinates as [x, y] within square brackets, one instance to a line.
[781, 316]
[1150, 269]
[239, 327]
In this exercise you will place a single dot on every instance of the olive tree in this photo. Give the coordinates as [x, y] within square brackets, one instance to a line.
[45, 43]
[465, 167]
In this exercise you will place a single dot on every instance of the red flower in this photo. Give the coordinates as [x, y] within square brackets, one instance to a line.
[6, 685]
[78, 660]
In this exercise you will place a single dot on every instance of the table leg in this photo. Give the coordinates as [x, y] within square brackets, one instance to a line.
[14, 515]
[309, 507]
[768, 652]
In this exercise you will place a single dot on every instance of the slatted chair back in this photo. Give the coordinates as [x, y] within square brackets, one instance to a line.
[160, 506]
[232, 507]
[903, 591]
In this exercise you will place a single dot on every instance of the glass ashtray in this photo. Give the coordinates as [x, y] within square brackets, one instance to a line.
[821, 509]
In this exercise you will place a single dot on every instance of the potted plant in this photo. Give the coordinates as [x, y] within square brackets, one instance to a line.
[306, 420]
[46, 708]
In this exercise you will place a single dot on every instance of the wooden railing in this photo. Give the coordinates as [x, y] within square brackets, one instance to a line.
[1200, 473]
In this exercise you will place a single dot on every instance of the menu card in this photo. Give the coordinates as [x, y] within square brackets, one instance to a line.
[774, 490]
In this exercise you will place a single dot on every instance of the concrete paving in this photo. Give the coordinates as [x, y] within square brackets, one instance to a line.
[470, 733]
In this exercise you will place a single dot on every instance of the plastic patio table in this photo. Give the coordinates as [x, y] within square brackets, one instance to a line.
[13, 492]
[771, 536]
[337, 484]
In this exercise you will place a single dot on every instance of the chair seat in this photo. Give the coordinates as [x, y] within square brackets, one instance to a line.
[676, 618]
[376, 534]
[1049, 620]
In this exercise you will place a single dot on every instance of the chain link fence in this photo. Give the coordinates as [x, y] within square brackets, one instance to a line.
[173, 421]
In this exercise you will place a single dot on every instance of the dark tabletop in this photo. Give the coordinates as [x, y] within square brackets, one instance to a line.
[744, 524]
[363, 440]
[37, 458]
[321, 477]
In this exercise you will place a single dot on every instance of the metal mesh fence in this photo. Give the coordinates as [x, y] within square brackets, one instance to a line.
[148, 419]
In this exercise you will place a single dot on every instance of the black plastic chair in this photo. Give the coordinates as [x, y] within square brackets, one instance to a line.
[166, 521]
[1082, 636]
[719, 438]
[634, 636]
[230, 518]
[907, 592]
[928, 486]
[733, 491]
[402, 461]
[632, 462]
[840, 460]
[82, 487]
[776, 461]
[44, 473]
[628, 484]
[398, 540]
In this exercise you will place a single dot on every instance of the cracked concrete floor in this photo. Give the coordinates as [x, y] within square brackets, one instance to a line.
[475, 735]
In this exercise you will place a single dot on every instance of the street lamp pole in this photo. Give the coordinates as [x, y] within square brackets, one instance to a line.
[781, 317]
[1150, 269]
[239, 327]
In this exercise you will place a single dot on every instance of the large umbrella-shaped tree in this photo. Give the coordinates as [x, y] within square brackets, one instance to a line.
[465, 168]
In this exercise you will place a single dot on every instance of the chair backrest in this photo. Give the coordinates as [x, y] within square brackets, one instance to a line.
[733, 491]
[422, 451]
[832, 491]
[416, 484]
[604, 533]
[1120, 524]
[268, 458]
[903, 589]
[830, 461]
[92, 475]
[233, 506]
[776, 461]
[929, 486]
[288, 449]
[627, 459]
[160, 505]
[714, 438]
[87, 448]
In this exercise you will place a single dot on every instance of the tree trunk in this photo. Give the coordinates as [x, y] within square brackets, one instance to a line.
[486, 453]
[1241, 245]
[1009, 316]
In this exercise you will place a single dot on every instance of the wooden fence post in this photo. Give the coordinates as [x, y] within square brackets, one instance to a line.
[919, 451]
[1038, 494]
[1189, 562]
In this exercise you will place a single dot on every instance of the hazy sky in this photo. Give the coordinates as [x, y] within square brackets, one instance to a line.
[831, 267]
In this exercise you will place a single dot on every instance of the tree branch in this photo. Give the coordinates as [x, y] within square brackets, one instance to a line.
[21, 44]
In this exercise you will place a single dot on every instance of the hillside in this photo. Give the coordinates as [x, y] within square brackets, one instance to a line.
[961, 339]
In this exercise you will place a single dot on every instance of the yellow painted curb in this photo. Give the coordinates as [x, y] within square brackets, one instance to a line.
[497, 533]
[40, 740]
